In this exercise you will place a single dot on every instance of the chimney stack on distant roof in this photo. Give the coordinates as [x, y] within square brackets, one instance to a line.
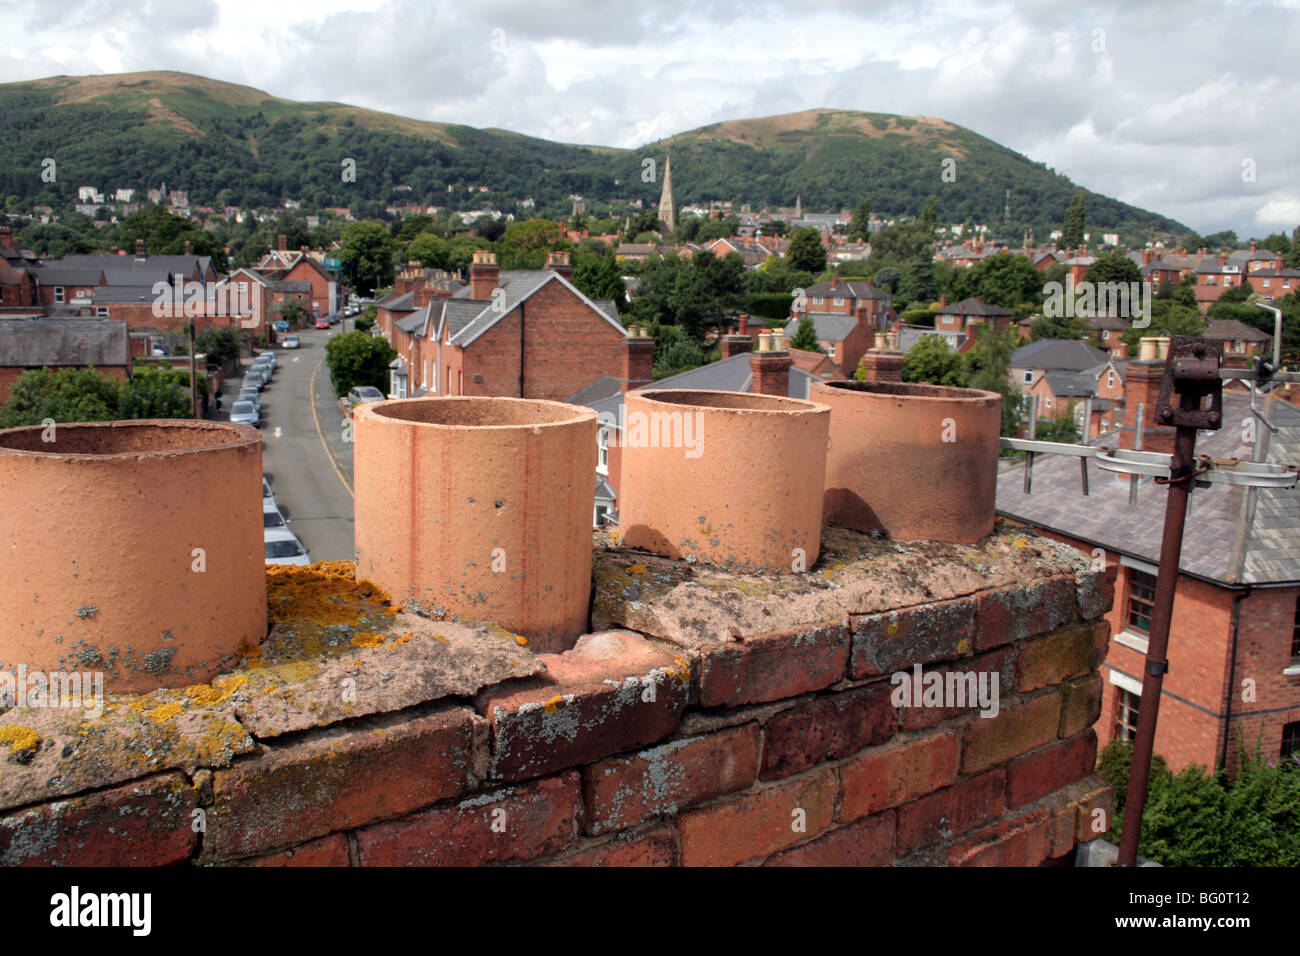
[558, 262]
[139, 249]
[1142, 387]
[284, 244]
[638, 358]
[770, 366]
[484, 275]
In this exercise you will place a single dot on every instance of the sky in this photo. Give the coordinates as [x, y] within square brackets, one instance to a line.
[1184, 108]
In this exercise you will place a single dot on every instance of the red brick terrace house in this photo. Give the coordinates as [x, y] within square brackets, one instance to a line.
[846, 314]
[1234, 651]
[526, 333]
[957, 322]
[284, 265]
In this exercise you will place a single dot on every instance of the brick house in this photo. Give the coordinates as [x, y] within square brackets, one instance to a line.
[956, 322]
[1238, 338]
[62, 343]
[1234, 650]
[284, 265]
[846, 314]
[526, 333]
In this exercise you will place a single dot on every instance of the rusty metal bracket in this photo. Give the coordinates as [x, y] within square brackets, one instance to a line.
[1192, 372]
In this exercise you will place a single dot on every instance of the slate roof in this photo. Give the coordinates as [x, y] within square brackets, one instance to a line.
[830, 326]
[518, 285]
[70, 275]
[1235, 330]
[34, 343]
[603, 388]
[1220, 542]
[854, 288]
[1059, 355]
[127, 270]
[117, 294]
[972, 306]
[397, 303]
[1067, 386]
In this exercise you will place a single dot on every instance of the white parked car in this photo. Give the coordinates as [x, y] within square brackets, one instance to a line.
[362, 395]
[245, 413]
[270, 357]
[290, 342]
[283, 547]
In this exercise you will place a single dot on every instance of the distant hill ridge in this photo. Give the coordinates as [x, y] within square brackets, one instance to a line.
[138, 130]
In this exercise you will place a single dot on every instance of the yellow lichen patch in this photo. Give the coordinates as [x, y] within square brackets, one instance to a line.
[892, 628]
[19, 738]
[521, 640]
[963, 645]
[636, 569]
[214, 693]
[441, 639]
[164, 712]
[368, 639]
[401, 640]
[1020, 543]
[326, 593]
[271, 688]
[393, 611]
[551, 705]
[248, 652]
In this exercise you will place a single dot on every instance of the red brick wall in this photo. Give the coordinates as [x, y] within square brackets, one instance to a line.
[783, 749]
[567, 346]
[1264, 633]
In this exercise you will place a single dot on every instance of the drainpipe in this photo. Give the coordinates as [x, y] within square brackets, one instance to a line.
[1232, 676]
[522, 305]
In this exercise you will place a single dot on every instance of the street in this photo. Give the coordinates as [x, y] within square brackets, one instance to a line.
[300, 421]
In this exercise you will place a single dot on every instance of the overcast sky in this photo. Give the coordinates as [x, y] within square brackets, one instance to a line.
[1185, 108]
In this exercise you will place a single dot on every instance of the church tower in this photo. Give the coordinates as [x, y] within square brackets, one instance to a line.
[667, 211]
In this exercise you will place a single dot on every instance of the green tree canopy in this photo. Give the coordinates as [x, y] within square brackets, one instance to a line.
[806, 252]
[1072, 233]
[366, 259]
[858, 226]
[1113, 267]
[931, 361]
[805, 336]
[355, 358]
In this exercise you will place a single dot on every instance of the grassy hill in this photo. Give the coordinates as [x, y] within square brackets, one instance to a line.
[230, 143]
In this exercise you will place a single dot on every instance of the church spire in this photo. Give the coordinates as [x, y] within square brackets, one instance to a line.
[667, 210]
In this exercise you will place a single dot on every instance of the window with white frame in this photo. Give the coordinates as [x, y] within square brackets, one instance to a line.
[1105, 335]
[58, 293]
[839, 300]
[101, 311]
[1126, 714]
[1110, 379]
[602, 451]
[1029, 377]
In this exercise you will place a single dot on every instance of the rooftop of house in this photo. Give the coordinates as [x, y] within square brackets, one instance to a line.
[1222, 542]
[1065, 385]
[849, 288]
[829, 326]
[1235, 330]
[973, 306]
[35, 343]
[1060, 355]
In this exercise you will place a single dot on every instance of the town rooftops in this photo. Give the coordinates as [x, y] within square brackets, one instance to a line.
[1065, 385]
[830, 326]
[1221, 543]
[849, 288]
[35, 343]
[1234, 330]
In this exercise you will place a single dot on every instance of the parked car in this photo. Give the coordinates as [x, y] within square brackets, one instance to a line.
[333, 318]
[283, 547]
[290, 342]
[245, 413]
[251, 395]
[363, 394]
[275, 362]
[322, 322]
[159, 351]
[263, 362]
[272, 517]
[281, 325]
[252, 379]
[266, 490]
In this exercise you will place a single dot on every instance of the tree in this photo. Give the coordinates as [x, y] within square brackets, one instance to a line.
[65, 395]
[158, 393]
[805, 336]
[355, 358]
[166, 234]
[598, 276]
[1237, 293]
[366, 259]
[220, 345]
[889, 279]
[931, 361]
[1113, 267]
[858, 226]
[675, 351]
[1006, 279]
[806, 252]
[1069, 327]
[919, 285]
[1072, 234]
[428, 250]
[988, 367]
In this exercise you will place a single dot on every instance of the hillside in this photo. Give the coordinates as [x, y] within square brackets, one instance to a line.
[235, 144]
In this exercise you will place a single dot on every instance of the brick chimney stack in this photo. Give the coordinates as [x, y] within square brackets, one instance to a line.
[742, 325]
[189, 248]
[735, 344]
[283, 244]
[770, 366]
[484, 275]
[558, 262]
[6, 237]
[139, 249]
[884, 363]
[1142, 380]
[638, 358]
